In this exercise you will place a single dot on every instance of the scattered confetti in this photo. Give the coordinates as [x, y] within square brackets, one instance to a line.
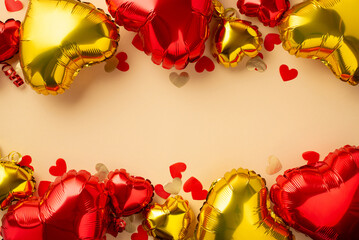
[13, 5]
[159, 190]
[257, 64]
[130, 224]
[177, 169]
[204, 63]
[111, 64]
[287, 74]
[26, 161]
[173, 187]
[194, 186]
[273, 166]
[140, 235]
[311, 156]
[122, 64]
[179, 80]
[42, 188]
[270, 40]
[137, 42]
[59, 169]
[102, 171]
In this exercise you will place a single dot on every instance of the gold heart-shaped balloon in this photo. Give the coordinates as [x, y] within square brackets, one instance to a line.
[234, 38]
[325, 30]
[59, 37]
[16, 182]
[174, 220]
[237, 208]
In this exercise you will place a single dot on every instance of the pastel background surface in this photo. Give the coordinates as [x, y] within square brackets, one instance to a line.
[138, 120]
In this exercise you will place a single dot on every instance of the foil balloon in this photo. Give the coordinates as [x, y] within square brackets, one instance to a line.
[173, 32]
[129, 194]
[234, 38]
[74, 207]
[174, 220]
[269, 12]
[9, 39]
[322, 199]
[60, 37]
[237, 207]
[16, 182]
[325, 30]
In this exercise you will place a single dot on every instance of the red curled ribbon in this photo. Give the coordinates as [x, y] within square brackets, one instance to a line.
[13, 76]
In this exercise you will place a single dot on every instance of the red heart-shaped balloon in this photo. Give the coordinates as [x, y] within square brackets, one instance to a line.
[174, 32]
[269, 12]
[322, 199]
[9, 39]
[129, 194]
[74, 207]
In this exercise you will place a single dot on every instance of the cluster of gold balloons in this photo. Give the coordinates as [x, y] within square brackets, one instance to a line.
[237, 207]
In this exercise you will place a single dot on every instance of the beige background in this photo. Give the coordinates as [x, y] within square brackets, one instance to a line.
[140, 121]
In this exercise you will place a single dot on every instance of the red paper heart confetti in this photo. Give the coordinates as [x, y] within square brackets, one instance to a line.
[140, 235]
[311, 157]
[26, 161]
[122, 64]
[160, 191]
[59, 169]
[177, 169]
[13, 5]
[194, 186]
[287, 74]
[270, 40]
[204, 63]
[42, 188]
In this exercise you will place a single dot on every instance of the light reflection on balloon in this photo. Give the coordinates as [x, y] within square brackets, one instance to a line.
[237, 207]
[60, 37]
[325, 30]
[172, 220]
[321, 199]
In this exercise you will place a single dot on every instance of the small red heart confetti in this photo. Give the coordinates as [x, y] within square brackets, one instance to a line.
[13, 6]
[260, 55]
[160, 191]
[59, 169]
[199, 194]
[137, 42]
[122, 64]
[177, 169]
[194, 186]
[287, 74]
[270, 40]
[26, 162]
[204, 63]
[311, 156]
[42, 188]
[140, 235]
